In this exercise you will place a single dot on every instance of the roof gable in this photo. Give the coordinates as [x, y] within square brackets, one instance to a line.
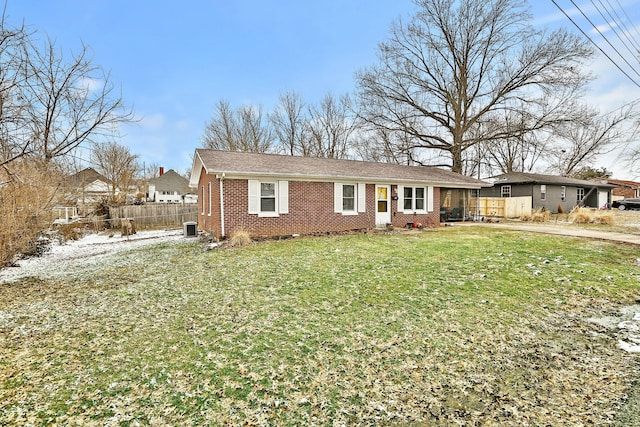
[171, 181]
[312, 168]
[88, 176]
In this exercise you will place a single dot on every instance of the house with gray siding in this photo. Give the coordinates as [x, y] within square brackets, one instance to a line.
[170, 187]
[551, 192]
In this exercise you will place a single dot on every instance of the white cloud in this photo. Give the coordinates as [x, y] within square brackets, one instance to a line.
[91, 85]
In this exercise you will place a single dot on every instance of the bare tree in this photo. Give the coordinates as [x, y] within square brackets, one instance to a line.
[578, 143]
[331, 126]
[254, 133]
[13, 124]
[291, 124]
[456, 63]
[116, 163]
[245, 129]
[152, 171]
[518, 143]
[56, 105]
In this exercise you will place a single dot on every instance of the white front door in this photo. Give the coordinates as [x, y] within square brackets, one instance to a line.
[383, 205]
[603, 199]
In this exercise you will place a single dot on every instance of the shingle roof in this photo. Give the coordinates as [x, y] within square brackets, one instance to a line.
[305, 168]
[171, 181]
[623, 183]
[536, 178]
[87, 176]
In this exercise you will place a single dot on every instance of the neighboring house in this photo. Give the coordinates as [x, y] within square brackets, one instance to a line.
[624, 189]
[276, 195]
[170, 187]
[88, 187]
[550, 191]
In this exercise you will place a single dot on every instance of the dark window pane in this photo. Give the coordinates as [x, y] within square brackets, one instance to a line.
[268, 204]
[348, 191]
[348, 204]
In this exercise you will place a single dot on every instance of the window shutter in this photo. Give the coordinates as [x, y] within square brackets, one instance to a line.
[337, 197]
[283, 197]
[400, 201]
[430, 200]
[254, 196]
[362, 197]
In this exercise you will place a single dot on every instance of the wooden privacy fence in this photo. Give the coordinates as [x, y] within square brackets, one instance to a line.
[502, 207]
[156, 215]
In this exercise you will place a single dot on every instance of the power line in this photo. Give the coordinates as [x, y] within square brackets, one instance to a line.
[618, 24]
[627, 16]
[604, 37]
[595, 44]
[623, 23]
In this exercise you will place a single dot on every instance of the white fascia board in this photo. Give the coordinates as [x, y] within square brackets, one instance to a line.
[337, 178]
[196, 169]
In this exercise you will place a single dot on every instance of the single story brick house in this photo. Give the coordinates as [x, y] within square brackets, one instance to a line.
[550, 192]
[277, 195]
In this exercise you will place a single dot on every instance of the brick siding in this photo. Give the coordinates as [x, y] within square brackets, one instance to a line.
[311, 210]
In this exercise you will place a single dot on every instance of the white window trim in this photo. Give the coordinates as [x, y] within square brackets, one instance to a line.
[543, 192]
[210, 198]
[359, 197]
[281, 196]
[563, 192]
[203, 199]
[428, 199]
[502, 188]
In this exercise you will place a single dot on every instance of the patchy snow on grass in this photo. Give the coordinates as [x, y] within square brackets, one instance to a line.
[82, 253]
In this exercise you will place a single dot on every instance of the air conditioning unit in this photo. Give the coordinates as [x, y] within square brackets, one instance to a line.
[190, 229]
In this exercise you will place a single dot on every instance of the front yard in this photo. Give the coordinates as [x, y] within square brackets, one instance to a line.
[449, 326]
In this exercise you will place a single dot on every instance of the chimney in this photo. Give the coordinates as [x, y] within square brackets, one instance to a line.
[161, 171]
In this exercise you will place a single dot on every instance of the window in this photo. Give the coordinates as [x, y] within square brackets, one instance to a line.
[408, 198]
[414, 198]
[202, 200]
[580, 194]
[420, 199]
[505, 191]
[348, 197]
[210, 198]
[268, 197]
[563, 192]
[543, 192]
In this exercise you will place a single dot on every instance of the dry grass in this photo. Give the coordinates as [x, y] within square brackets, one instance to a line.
[240, 237]
[26, 198]
[581, 215]
[455, 326]
[540, 215]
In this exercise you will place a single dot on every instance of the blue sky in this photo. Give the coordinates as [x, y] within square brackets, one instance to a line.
[175, 60]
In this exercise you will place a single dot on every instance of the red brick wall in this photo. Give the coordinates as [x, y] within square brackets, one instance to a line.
[310, 210]
[209, 223]
[625, 192]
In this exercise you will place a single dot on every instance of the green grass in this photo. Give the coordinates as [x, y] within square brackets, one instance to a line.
[443, 327]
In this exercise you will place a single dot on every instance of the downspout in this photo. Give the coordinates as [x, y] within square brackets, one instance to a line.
[222, 233]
